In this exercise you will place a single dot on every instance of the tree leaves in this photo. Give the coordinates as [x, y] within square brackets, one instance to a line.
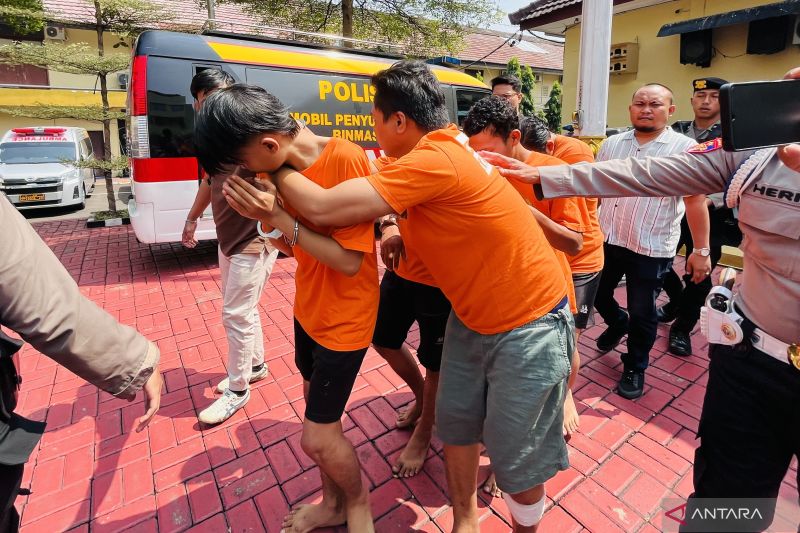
[526, 76]
[422, 27]
[74, 58]
[52, 112]
[552, 109]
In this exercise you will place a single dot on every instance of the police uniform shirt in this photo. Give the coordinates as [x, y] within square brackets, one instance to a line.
[688, 128]
[769, 217]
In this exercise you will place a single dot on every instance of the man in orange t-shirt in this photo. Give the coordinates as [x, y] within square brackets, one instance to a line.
[587, 265]
[337, 279]
[409, 294]
[493, 125]
[509, 339]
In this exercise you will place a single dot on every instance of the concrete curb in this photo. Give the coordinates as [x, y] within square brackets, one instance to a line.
[92, 223]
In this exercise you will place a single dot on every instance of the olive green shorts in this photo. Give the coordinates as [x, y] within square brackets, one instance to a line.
[507, 390]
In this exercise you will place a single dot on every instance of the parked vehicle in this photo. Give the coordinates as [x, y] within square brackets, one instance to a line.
[36, 170]
[327, 88]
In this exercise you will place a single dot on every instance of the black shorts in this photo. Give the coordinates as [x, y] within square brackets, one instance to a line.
[402, 303]
[330, 374]
[585, 291]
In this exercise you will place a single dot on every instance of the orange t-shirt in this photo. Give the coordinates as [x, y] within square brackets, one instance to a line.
[563, 211]
[473, 232]
[411, 268]
[590, 259]
[338, 311]
[572, 150]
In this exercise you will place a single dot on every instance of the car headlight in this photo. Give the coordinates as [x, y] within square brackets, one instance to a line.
[71, 175]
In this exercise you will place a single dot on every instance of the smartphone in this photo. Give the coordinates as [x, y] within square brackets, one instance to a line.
[759, 114]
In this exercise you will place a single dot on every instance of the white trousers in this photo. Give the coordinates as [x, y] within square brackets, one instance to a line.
[243, 278]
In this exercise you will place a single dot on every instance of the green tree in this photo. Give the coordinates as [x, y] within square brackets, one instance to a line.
[552, 108]
[528, 80]
[24, 16]
[423, 27]
[125, 18]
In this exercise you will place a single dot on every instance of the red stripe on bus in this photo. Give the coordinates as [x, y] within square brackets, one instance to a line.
[158, 169]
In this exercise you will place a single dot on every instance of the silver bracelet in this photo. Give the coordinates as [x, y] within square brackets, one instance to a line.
[295, 235]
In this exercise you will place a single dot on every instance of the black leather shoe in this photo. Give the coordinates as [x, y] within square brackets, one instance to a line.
[609, 339]
[631, 384]
[666, 313]
[680, 343]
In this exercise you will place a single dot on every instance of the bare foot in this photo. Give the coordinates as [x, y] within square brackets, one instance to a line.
[490, 487]
[571, 417]
[413, 456]
[408, 417]
[304, 518]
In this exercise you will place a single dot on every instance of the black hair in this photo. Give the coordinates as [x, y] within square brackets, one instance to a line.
[491, 111]
[508, 79]
[210, 79]
[654, 84]
[409, 87]
[231, 117]
[535, 134]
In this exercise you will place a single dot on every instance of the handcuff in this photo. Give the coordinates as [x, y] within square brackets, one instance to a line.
[274, 234]
[719, 320]
[386, 222]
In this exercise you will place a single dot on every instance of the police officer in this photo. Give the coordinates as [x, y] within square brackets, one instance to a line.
[686, 298]
[750, 424]
[705, 104]
[43, 304]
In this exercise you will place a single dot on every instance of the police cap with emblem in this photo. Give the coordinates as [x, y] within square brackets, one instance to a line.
[702, 84]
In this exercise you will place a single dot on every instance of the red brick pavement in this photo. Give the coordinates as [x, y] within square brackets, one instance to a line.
[91, 472]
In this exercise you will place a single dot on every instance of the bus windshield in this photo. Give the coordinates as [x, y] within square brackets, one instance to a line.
[36, 152]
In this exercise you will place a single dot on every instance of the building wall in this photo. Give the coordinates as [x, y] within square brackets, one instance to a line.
[659, 57]
[56, 96]
[89, 37]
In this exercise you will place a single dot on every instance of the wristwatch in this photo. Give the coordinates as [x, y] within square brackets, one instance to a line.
[702, 252]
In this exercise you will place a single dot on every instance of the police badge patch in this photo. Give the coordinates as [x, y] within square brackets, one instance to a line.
[708, 146]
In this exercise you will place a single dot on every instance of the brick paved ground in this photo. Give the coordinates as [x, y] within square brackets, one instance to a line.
[92, 473]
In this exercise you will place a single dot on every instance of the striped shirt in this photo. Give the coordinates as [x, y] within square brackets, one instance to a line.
[646, 226]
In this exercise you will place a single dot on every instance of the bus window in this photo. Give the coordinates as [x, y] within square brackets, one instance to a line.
[169, 107]
[465, 99]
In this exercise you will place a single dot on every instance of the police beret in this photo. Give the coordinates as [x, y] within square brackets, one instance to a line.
[702, 84]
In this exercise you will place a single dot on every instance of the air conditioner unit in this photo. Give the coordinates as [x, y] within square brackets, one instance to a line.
[122, 78]
[796, 32]
[54, 32]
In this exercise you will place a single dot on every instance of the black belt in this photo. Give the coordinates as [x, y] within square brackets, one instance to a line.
[559, 306]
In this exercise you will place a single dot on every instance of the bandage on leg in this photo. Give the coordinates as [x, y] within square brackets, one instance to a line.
[525, 515]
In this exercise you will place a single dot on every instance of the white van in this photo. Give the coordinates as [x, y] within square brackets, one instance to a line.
[328, 88]
[35, 171]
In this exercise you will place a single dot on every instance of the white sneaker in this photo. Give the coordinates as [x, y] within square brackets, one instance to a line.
[223, 408]
[256, 376]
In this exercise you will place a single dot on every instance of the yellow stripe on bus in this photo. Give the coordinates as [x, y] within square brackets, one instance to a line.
[324, 61]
